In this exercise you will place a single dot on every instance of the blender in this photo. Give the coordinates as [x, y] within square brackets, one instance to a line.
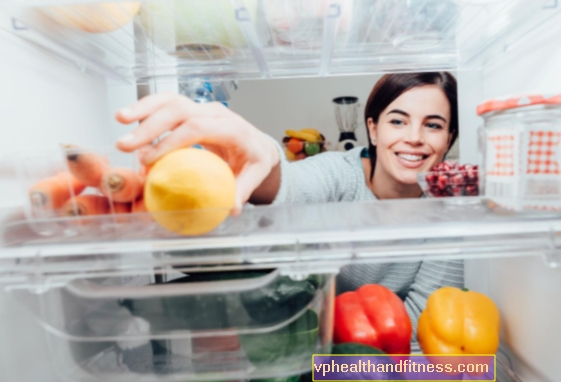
[346, 112]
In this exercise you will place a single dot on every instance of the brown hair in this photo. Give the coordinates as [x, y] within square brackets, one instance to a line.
[391, 86]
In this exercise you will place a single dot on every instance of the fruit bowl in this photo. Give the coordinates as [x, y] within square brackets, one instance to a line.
[450, 179]
[296, 149]
[300, 144]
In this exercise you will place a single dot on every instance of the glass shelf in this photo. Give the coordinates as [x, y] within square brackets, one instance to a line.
[242, 39]
[295, 239]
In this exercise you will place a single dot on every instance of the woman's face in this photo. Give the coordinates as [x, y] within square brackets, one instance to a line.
[412, 133]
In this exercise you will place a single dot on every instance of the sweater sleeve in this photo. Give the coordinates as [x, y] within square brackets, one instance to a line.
[326, 177]
[431, 276]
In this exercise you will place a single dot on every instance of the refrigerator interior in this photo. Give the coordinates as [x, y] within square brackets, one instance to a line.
[63, 85]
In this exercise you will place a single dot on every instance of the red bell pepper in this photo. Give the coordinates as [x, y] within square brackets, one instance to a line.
[373, 315]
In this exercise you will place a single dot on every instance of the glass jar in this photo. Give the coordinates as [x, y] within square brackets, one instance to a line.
[521, 148]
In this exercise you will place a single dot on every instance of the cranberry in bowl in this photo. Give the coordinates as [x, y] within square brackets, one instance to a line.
[450, 178]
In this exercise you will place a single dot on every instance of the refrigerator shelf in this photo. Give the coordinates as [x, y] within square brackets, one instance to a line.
[242, 39]
[298, 239]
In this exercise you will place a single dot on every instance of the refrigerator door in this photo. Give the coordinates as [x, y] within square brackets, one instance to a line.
[525, 289]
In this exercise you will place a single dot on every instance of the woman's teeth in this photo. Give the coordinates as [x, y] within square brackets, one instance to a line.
[411, 157]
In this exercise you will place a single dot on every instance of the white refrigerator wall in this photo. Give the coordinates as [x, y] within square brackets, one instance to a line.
[276, 105]
[42, 103]
[525, 289]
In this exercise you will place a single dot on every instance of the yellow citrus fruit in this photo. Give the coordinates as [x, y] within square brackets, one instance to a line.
[197, 188]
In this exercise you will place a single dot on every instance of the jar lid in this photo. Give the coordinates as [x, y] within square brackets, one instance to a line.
[513, 102]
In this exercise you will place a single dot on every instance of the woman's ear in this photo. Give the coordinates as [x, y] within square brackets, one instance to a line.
[372, 131]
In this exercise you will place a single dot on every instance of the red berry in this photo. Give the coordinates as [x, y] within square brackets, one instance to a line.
[458, 179]
[472, 190]
[434, 191]
[442, 181]
[431, 178]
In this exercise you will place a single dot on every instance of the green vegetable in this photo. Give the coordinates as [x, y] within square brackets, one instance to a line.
[280, 300]
[294, 378]
[274, 303]
[353, 348]
[290, 345]
[194, 312]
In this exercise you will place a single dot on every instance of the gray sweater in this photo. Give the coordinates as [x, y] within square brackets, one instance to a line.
[339, 176]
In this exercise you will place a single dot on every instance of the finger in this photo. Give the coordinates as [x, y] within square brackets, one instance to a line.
[141, 153]
[165, 119]
[216, 131]
[177, 139]
[152, 103]
[144, 107]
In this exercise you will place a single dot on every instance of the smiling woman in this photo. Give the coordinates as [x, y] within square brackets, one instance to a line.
[412, 121]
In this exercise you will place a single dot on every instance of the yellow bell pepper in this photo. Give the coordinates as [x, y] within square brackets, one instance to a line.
[458, 321]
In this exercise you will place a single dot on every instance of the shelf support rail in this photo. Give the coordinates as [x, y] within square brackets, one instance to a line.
[552, 257]
[248, 29]
[330, 29]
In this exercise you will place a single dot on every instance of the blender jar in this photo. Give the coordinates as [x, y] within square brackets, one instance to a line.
[521, 148]
[346, 115]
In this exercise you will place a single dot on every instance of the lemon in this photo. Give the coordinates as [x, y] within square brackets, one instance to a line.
[190, 191]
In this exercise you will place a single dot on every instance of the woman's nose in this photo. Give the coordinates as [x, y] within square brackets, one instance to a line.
[414, 135]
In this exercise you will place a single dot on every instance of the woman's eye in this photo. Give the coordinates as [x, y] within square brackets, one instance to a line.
[434, 126]
[396, 122]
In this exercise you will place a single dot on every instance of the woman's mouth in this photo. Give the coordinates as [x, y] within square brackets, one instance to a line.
[411, 160]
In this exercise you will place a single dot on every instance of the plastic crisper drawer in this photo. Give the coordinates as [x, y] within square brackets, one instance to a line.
[136, 41]
[200, 326]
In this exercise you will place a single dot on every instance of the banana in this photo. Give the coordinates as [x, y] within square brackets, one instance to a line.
[302, 135]
[290, 156]
[312, 131]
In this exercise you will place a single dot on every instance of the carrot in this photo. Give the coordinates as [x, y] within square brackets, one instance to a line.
[138, 205]
[88, 168]
[122, 208]
[121, 185]
[86, 205]
[53, 192]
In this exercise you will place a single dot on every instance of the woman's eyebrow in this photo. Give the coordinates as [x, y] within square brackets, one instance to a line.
[436, 116]
[398, 112]
[432, 116]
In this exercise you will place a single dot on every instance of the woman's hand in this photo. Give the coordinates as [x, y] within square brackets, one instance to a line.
[250, 153]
